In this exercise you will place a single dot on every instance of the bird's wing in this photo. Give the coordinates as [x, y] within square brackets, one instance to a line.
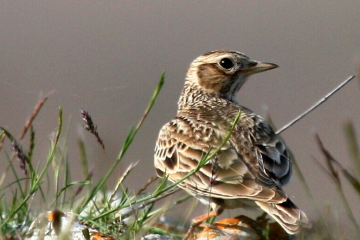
[273, 158]
[179, 148]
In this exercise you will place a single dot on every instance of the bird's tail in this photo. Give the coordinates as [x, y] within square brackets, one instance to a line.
[287, 214]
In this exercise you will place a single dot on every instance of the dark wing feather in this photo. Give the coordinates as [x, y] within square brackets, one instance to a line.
[274, 165]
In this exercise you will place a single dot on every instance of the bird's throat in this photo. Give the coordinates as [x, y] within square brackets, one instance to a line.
[230, 95]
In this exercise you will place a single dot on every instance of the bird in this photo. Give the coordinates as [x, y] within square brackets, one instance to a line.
[248, 166]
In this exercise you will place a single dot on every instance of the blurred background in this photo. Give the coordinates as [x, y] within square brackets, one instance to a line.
[107, 56]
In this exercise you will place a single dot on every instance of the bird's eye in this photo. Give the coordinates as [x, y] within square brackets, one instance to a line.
[226, 63]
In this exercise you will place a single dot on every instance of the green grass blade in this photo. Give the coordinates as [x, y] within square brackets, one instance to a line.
[129, 138]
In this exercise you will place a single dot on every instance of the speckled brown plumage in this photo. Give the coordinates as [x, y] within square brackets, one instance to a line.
[252, 165]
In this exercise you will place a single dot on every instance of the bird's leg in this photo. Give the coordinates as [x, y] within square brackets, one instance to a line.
[198, 220]
[262, 217]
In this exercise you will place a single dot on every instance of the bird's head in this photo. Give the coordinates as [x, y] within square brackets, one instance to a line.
[224, 72]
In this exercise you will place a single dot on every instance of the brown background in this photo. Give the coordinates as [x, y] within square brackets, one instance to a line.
[107, 56]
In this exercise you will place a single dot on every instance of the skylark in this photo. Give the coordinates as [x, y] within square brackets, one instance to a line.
[250, 168]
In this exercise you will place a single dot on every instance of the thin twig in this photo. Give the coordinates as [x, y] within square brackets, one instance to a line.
[330, 160]
[129, 210]
[316, 105]
[122, 178]
[88, 178]
[34, 114]
[91, 127]
[20, 156]
[2, 139]
[150, 181]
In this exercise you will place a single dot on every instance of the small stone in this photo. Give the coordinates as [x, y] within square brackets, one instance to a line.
[156, 237]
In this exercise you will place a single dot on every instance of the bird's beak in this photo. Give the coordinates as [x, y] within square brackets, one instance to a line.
[262, 66]
[257, 67]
